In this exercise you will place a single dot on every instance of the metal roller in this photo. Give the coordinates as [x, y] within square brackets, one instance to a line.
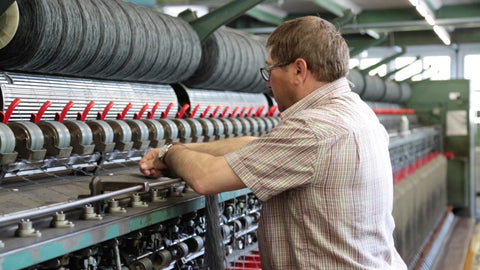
[140, 134]
[81, 137]
[228, 127]
[156, 132]
[269, 124]
[210, 131]
[102, 135]
[247, 128]
[218, 128]
[29, 140]
[237, 127]
[162, 258]
[195, 243]
[122, 134]
[197, 130]
[171, 130]
[184, 130]
[61, 90]
[254, 126]
[7, 139]
[57, 138]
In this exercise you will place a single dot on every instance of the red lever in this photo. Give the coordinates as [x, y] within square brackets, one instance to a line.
[138, 116]
[215, 111]
[222, 115]
[234, 112]
[101, 116]
[167, 110]
[259, 111]
[182, 111]
[121, 116]
[5, 117]
[151, 113]
[36, 117]
[192, 114]
[61, 116]
[83, 116]
[250, 111]
[272, 111]
[242, 111]
[204, 114]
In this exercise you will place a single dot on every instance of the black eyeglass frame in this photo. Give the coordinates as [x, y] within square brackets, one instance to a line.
[266, 71]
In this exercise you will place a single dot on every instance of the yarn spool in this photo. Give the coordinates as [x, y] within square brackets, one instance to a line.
[230, 61]
[9, 24]
[101, 39]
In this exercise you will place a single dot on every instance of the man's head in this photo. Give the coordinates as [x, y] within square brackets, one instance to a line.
[316, 41]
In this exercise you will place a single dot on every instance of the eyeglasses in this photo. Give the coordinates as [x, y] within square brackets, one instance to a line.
[266, 71]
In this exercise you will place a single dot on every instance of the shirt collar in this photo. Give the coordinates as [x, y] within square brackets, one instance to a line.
[319, 96]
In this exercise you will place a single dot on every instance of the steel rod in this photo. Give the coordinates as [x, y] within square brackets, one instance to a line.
[69, 204]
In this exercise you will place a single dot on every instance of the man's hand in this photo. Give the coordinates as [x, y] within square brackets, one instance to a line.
[151, 165]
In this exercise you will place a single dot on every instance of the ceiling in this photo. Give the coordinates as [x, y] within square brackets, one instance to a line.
[363, 22]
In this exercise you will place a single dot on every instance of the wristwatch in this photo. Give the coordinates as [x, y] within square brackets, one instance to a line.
[163, 151]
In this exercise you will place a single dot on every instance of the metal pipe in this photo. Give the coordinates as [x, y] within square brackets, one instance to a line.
[418, 73]
[397, 70]
[357, 51]
[69, 204]
[384, 61]
[347, 17]
[207, 24]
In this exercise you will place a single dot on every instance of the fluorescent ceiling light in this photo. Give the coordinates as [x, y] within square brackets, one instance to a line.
[442, 34]
[430, 19]
[414, 2]
[422, 10]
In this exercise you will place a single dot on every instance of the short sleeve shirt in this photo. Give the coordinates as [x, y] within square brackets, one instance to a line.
[324, 177]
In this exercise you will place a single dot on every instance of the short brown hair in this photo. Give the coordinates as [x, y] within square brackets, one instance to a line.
[316, 41]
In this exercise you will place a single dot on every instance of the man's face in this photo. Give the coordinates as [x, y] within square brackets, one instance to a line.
[279, 83]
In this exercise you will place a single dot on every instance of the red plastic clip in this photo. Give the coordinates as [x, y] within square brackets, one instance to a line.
[182, 111]
[204, 114]
[83, 116]
[222, 115]
[121, 116]
[192, 114]
[167, 110]
[151, 113]
[215, 111]
[234, 112]
[271, 111]
[5, 117]
[36, 117]
[250, 111]
[449, 155]
[259, 111]
[61, 116]
[242, 111]
[138, 116]
[103, 115]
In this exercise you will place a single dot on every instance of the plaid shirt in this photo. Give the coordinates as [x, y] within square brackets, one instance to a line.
[325, 179]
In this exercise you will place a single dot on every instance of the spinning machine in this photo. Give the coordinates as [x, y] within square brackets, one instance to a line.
[89, 86]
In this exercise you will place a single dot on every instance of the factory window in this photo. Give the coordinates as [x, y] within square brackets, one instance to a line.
[471, 70]
[411, 68]
[368, 62]
[436, 67]
[354, 63]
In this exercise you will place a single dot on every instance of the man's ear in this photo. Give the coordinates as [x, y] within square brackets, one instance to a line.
[301, 70]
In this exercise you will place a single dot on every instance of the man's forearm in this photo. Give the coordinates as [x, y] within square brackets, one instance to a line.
[221, 147]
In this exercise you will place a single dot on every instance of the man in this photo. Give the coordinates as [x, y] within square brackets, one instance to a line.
[323, 174]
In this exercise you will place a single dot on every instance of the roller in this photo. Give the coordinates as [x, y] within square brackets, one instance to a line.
[9, 24]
